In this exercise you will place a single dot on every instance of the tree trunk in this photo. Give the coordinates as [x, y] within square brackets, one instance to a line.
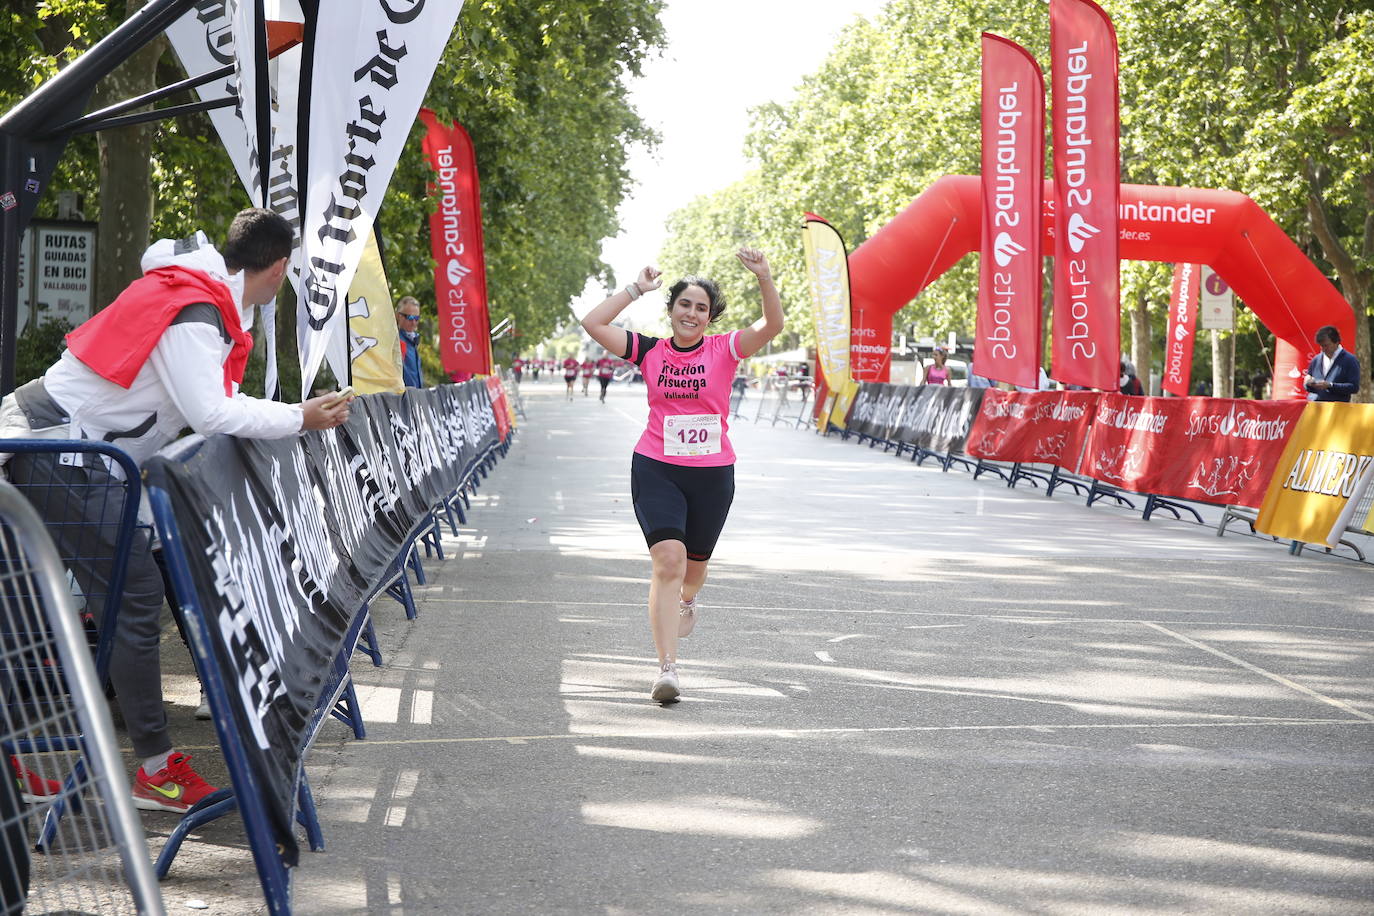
[1223, 365]
[1141, 340]
[126, 195]
[1363, 352]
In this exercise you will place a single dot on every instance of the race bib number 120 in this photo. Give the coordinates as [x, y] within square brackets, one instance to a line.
[692, 434]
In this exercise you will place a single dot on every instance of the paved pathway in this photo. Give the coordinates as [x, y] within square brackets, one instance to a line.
[910, 692]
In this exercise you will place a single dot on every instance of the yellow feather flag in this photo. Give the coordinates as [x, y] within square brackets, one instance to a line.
[375, 346]
[827, 268]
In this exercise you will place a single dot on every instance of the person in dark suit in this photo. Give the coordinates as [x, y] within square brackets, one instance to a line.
[1334, 373]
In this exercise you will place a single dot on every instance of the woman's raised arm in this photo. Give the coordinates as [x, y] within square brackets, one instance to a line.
[597, 322]
[752, 338]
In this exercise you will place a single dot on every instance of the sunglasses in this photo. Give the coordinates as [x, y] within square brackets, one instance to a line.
[411, 317]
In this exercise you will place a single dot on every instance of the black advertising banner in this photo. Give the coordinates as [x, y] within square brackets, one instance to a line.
[909, 432]
[940, 417]
[864, 409]
[287, 538]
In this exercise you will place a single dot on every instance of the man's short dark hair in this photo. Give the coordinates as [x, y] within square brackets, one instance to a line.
[257, 239]
[1330, 333]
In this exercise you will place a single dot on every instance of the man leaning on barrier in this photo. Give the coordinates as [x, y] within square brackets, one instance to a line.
[167, 354]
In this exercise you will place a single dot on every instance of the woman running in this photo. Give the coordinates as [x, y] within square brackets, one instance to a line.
[682, 473]
[570, 374]
[588, 367]
[605, 371]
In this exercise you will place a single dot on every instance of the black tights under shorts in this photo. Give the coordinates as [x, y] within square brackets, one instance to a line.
[676, 503]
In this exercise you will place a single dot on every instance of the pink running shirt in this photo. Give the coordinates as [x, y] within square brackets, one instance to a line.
[689, 399]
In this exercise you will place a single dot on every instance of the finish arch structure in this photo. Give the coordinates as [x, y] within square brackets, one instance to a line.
[1224, 229]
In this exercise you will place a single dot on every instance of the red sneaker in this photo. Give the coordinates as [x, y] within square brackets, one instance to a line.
[175, 787]
[33, 788]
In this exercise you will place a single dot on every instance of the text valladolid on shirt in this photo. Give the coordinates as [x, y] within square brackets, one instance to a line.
[689, 398]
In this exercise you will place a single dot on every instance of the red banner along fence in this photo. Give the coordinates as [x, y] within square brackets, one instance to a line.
[1211, 450]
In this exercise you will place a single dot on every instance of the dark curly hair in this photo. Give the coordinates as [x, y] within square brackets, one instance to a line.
[713, 293]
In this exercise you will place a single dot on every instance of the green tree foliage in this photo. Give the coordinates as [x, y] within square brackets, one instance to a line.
[540, 86]
[1273, 99]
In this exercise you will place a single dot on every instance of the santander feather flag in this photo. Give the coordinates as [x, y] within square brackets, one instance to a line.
[1087, 188]
[455, 231]
[1008, 333]
[1178, 340]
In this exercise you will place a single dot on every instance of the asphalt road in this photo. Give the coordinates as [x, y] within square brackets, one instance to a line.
[909, 692]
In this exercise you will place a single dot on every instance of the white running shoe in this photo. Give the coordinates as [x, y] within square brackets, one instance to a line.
[665, 689]
[686, 617]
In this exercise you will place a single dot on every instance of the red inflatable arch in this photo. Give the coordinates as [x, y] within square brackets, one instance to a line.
[1224, 229]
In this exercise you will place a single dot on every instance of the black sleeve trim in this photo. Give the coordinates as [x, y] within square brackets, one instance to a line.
[645, 344]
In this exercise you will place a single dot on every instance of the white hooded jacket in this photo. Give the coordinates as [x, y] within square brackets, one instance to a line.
[182, 383]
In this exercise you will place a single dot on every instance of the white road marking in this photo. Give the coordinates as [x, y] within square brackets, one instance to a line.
[825, 657]
[1277, 678]
[1019, 618]
[934, 626]
[850, 636]
[693, 734]
[980, 503]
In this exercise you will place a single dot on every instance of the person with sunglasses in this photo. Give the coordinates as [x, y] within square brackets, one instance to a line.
[408, 325]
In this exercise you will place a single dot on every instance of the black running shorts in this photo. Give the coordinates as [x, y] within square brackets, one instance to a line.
[676, 503]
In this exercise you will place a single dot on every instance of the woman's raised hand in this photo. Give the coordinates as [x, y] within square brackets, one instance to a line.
[755, 261]
[650, 278]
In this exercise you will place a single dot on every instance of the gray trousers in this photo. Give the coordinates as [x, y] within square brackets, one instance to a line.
[81, 506]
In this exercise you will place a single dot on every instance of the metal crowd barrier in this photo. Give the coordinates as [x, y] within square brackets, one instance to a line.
[57, 734]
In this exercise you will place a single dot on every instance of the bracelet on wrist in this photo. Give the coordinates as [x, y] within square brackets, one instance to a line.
[633, 290]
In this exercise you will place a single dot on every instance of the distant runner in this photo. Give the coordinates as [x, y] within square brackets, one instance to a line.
[682, 474]
[588, 367]
[570, 374]
[605, 371]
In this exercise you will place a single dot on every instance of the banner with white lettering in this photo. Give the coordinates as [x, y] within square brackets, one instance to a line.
[1008, 333]
[1046, 427]
[1086, 347]
[208, 38]
[827, 269]
[287, 538]
[370, 64]
[941, 417]
[1325, 466]
[1210, 450]
[455, 234]
[1181, 331]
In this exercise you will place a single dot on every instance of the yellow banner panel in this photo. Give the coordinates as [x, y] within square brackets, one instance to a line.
[843, 399]
[1329, 456]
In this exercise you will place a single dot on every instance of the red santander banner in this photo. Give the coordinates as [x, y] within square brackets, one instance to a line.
[1033, 426]
[1008, 332]
[1211, 450]
[455, 229]
[1087, 187]
[1182, 329]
